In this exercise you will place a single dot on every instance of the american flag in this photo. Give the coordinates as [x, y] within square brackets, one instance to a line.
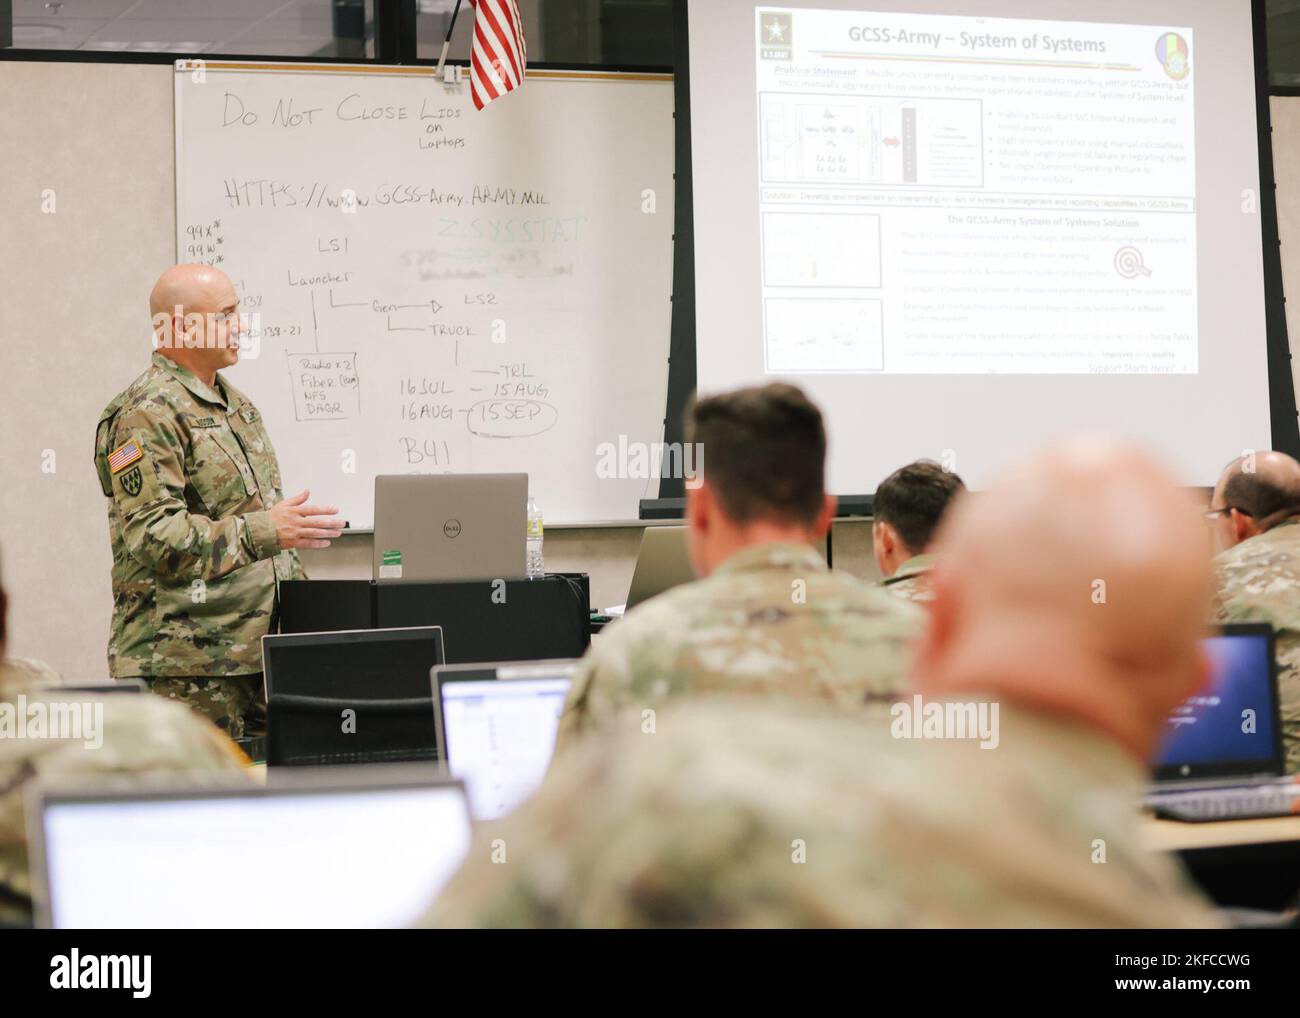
[123, 456]
[498, 53]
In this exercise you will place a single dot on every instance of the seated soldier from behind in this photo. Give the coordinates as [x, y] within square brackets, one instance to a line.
[769, 617]
[790, 814]
[140, 737]
[906, 512]
[1256, 512]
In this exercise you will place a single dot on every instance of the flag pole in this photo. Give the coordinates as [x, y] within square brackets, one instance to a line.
[446, 43]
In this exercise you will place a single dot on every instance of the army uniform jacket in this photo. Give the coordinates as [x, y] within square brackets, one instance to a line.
[912, 580]
[778, 814]
[773, 619]
[191, 476]
[1259, 581]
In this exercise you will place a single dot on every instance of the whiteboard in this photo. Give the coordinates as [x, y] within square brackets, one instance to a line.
[434, 288]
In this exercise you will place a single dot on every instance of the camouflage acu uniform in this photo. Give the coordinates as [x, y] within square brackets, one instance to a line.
[912, 580]
[1259, 581]
[782, 814]
[191, 475]
[142, 738]
[772, 620]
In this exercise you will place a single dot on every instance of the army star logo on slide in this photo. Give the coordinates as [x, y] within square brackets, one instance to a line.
[132, 481]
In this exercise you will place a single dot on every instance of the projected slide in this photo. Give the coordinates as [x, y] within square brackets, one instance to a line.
[955, 195]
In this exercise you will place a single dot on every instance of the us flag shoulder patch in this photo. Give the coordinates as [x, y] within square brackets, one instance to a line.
[123, 456]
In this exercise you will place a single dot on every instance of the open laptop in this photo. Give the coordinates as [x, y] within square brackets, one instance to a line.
[497, 724]
[334, 849]
[662, 562]
[1222, 748]
[432, 527]
[381, 676]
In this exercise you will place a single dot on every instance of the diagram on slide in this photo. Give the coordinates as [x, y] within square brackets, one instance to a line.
[879, 140]
[821, 249]
[823, 335]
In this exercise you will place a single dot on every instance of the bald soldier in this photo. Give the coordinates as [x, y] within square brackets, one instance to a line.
[906, 512]
[787, 814]
[1255, 509]
[200, 531]
[769, 617]
[137, 738]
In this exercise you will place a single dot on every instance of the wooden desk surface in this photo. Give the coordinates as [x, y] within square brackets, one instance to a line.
[1177, 836]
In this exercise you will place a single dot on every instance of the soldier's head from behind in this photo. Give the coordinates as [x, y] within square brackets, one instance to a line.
[764, 456]
[1077, 586]
[907, 509]
[196, 320]
[1255, 493]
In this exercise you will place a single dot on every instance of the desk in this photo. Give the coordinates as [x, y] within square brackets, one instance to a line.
[1246, 863]
[1176, 836]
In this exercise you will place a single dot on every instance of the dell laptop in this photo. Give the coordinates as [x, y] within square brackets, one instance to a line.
[436, 527]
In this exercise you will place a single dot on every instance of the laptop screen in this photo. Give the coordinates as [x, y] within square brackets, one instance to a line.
[500, 734]
[354, 857]
[1230, 728]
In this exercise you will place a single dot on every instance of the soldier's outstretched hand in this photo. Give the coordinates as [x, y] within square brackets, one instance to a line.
[299, 525]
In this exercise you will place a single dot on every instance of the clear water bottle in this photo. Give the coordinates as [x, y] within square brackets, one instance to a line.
[535, 565]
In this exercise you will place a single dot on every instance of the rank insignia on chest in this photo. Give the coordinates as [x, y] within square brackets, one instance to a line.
[132, 481]
[203, 422]
[123, 456]
[250, 415]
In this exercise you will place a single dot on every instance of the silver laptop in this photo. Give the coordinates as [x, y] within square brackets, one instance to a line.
[365, 847]
[496, 726]
[431, 527]
[661, 564]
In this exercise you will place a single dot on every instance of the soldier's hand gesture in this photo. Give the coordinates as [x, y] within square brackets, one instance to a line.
[299, 525]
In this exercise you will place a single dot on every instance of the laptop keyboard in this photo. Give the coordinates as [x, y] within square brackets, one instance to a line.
[362, 757]
[1251, 802]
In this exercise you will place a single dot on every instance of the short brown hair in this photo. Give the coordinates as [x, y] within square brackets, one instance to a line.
[913, 500]
[764, 452]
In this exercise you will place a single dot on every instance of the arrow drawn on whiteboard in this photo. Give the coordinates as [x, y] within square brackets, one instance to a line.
[315, 332]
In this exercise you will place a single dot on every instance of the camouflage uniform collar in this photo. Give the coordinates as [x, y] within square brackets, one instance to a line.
[773, 555]
[187, 378]
[914, 566]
